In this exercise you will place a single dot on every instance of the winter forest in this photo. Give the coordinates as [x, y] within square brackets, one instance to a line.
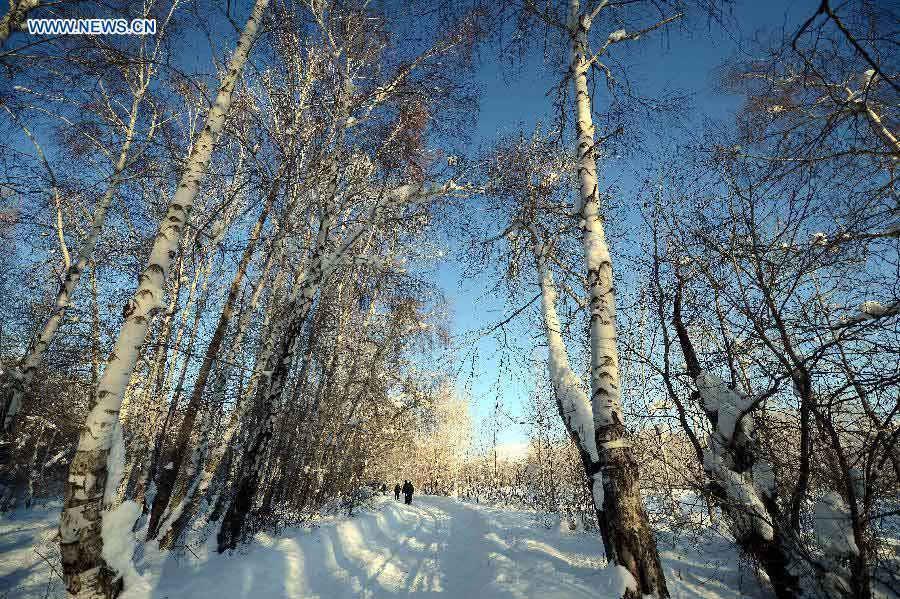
[614, 284]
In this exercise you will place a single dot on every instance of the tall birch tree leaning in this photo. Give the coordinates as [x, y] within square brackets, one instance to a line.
[94, 472]
[626, 533]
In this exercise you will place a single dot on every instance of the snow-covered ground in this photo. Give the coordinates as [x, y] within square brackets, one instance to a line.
[435, 546]
[29, 553]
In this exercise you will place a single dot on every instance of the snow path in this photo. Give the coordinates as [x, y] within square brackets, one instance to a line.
[437, 546]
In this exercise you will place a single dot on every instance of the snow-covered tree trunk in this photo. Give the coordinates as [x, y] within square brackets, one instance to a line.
[572, 402]
[745, 489]
[627, 536]
[33, 464]
[92, 474]
[883, 132]
[179, 510]
[750, 507]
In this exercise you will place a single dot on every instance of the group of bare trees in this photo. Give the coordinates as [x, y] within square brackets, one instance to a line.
[268, 350]
[761, 335]
[774, 286]
[214, 311]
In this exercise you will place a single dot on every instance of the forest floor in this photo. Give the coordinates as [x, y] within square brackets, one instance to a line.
[436, 546]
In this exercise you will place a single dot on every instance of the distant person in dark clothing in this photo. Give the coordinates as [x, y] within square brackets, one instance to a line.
[397, 491]
[408, 491]
[383, 489]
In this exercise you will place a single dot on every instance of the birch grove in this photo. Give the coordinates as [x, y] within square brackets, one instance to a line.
[321, 178]
[265, 263]
[91, 475]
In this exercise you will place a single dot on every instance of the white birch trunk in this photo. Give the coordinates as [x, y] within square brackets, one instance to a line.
[87, 574]
[626, 533]
[152, 404]
[606, 398]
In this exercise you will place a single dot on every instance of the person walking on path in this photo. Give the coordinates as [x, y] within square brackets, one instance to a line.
[408, 491]
[397, 491]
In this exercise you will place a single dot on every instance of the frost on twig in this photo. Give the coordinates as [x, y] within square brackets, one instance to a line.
[617, 36]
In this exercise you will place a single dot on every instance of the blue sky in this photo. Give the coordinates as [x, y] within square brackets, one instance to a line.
[681, 62]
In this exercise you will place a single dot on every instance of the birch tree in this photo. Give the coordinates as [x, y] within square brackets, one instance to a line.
[575, 25]
[92, 478]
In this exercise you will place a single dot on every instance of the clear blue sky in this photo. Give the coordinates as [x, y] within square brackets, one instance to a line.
[682, 62]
